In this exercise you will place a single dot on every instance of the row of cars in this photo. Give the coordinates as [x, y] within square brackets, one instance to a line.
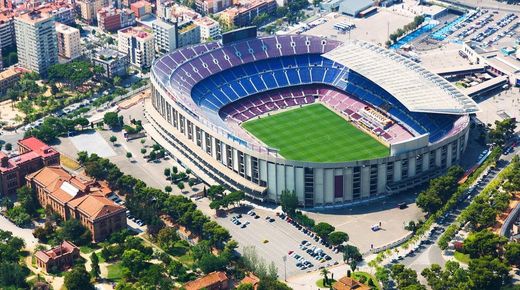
[121, 202]
[236, 219]
[308, 232]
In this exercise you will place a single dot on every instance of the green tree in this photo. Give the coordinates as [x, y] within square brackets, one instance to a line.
[512, 253]
[180, 185]
[27, 199]
[128, 155]
[73, 230]
[405, 277]
[503, 131]
[323, 229]
[483, 243]
[78, 279]
[488, 273]
[351, 253]
[8, 146]
[289, 202]
[167, 172]
[168, 188]
[134, 261]
[94, 271]
[245, 286]
[112, 120]
[338, 238]
[113, 139]
[210, 263]
[324, 272]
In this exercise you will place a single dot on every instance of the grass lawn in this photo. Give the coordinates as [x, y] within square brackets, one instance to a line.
[100, 257]
[461, 257]
[320, 282]
[368, 276]
[115, 271]
[69, 163]
[186, 259]
[88, 249]
[315, 133]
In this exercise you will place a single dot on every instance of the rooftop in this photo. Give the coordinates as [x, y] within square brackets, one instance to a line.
[416, 88]
[10, 72]
[137, 32]
[212, 278]
[65, 248]
[205, 21]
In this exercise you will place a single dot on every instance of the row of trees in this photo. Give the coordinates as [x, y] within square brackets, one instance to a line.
[502, 132]
[417, 21]
[74, 73]
[439, 190]
[53, 127]
[12, 274]
[149, 203]
[25, 209]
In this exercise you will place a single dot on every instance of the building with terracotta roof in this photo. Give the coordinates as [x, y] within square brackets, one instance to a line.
[113, 19]
[32, 155]
[78, 197]
[212, 281]
[59, 258]
[250, 278]
[347, 283]
[8, 78]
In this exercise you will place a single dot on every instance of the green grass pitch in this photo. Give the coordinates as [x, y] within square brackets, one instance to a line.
[316, 134]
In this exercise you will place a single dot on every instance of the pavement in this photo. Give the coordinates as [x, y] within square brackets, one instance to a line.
[25, 234]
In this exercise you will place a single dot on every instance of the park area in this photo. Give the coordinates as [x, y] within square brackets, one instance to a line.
[315, 133]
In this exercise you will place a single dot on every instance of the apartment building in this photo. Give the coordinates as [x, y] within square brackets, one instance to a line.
[209, 28]
[141, 8]
[69, 44]
[245, 11]
[115, 63]
[212, 6]
[138, 43]
[165, 35]
[113, 19]
[36, 41]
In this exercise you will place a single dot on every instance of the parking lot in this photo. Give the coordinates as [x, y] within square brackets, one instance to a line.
[276, 238]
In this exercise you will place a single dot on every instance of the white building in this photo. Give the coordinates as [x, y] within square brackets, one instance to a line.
[69, 45]
[209, 28]
[36, 41]
[138, 43]
[165, 35]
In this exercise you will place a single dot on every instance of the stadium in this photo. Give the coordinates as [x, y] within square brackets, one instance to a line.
[337, 123]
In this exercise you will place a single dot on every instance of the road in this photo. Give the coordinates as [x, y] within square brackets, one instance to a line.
[432, 254]
[24, 234]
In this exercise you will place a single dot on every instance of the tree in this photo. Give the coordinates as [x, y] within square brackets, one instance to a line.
[488, 273]
[289, 202]
[143, 151]
[338, 238]
[128, 155]
[168, 188]
[78, 279]
[245, 286]
[134, 261]
[27, 199]
[503, 131]
[73, 230]
[167, 172]
[210, 263]
[351, 253]
[180, 185]
[94, 271]
[117, 81]
[383, 275]
[512, 253]
[272, 284]
[113, 139]
[19, 216]
[452, 277]
[214, 191]
[8, 146]
[483, 243]
[112, 120]
[73, 73]
[324, 272]
[323, 229]
[405, 277]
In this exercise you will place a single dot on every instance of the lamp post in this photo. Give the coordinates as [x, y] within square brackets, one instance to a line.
[284, 258]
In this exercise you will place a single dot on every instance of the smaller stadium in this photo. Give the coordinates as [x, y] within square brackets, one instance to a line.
[328, 120]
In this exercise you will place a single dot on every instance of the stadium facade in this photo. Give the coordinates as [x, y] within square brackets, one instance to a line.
[201, 94]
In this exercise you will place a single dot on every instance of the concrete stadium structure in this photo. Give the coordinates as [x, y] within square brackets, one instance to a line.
[201, 94]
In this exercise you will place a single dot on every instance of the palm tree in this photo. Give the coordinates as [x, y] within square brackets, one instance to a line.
[324, 272]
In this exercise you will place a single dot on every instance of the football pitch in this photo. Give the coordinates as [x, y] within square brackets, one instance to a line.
[316, 134]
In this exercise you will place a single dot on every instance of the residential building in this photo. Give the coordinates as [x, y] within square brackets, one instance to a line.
[245, 11]
[69, 44]
[250, 278]
[58, 258]
[78, 197]
[176, 13]
[347, 283]
[138, 43]
[7, 31]
[8, 78]
[114, 63]
[212, 6]
[32, 155]
[89, 8]
[209, 28]
[127, 3]
[212, 281]
[36, 41]
[188, 33]
[113, 19]
[63, 12]
[141, 8]
[165, 35]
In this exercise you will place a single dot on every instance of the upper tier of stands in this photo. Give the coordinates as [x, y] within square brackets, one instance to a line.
[212, 76]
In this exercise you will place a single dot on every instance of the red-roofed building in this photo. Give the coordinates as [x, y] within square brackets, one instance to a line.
[59, 258]
[141, 8]
[212, 281]
[78, 197]
[32, 155]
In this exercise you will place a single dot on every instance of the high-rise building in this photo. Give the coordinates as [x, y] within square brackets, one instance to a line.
[7, 34]
[36, 41]
[188, 33]
[69, 44]
[212, 6]
[138, 43]
[164, 32]
[209, 28]
[89, 9]
[246, 11]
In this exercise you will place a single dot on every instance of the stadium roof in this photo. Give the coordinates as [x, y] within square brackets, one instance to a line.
[416, 88]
